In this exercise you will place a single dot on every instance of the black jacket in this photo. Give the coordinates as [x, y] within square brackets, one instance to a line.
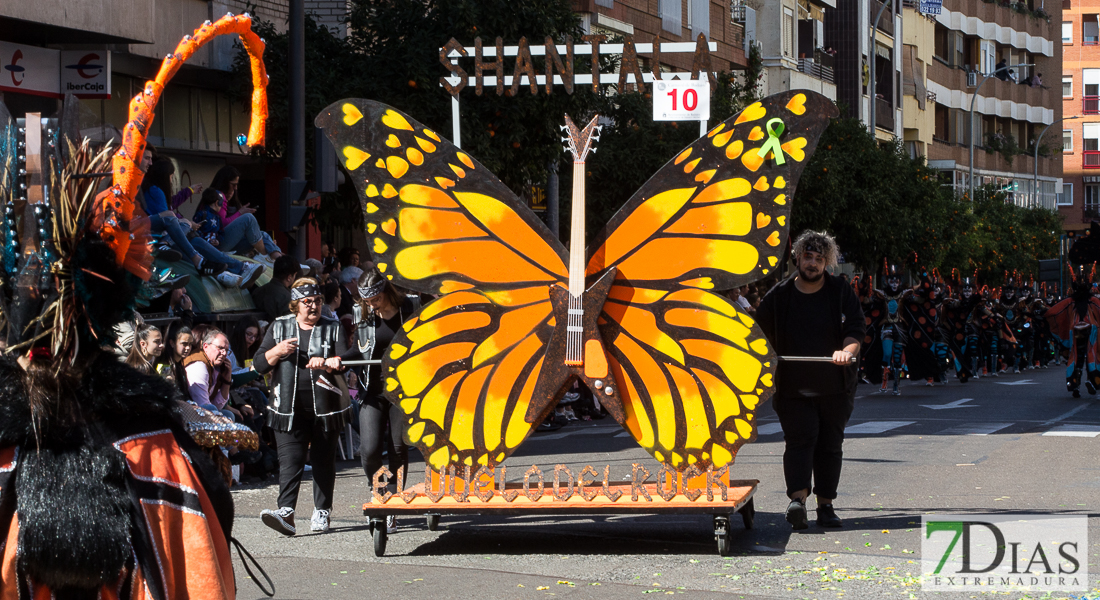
[331, 403]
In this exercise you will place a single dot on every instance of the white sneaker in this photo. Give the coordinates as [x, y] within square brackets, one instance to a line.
[319, 522]
[281, 520]
[250, 274]
[228, 279]
[265, 260]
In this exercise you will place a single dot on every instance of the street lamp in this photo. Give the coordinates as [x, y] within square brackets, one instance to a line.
[1035, 184]
[872, 54]
[970, 119]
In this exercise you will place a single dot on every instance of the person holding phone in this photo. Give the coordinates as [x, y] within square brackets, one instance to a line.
[310, 404]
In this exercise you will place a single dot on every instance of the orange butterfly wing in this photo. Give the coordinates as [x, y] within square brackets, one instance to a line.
[440, 223]
[691, 367]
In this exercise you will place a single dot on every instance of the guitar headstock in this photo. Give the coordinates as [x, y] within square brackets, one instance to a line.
[580, 142]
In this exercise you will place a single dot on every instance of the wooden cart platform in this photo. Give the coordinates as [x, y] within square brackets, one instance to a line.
[738, 499]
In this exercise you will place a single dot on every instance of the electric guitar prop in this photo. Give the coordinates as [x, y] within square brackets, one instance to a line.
[636, 318]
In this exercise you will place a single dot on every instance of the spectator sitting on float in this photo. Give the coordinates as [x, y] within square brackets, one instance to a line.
[239, 229]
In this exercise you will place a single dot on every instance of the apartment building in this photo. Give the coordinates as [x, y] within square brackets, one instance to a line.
[848, 37]
[1011, 110]
[918, 106]
[792, 39]
[1080, 199]
[670, 21]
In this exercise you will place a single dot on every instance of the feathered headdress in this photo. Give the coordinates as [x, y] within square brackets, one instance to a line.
[74, 259]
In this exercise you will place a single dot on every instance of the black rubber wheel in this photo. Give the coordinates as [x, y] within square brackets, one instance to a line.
[748, 514]
[378, 530]
[433, 522]
[722, 534]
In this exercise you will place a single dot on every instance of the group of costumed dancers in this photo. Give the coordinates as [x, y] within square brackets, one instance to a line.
[955, 324]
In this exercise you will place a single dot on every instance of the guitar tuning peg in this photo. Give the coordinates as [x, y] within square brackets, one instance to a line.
[599, 128]
[565, 139]
[592, 150]
[566, 148]
[562, 127]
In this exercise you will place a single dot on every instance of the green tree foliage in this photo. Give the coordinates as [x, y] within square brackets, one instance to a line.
[882, 204]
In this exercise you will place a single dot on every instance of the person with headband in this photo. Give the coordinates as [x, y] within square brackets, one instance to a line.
[310, 403]
[813, 313]
[379, 312]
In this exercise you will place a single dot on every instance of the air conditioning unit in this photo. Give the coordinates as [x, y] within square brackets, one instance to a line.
[971, 79]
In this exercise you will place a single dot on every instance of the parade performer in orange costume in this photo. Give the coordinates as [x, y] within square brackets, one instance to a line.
[103, 493]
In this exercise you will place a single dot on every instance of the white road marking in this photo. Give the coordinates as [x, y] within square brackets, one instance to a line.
[1020, 382]
[769, 429]
[1066, 415]
[875, 427]
[974, 429]
[955, 404]
[569, 432]
[1089, 431]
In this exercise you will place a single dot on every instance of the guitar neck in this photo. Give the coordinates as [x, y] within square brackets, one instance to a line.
[576, 234]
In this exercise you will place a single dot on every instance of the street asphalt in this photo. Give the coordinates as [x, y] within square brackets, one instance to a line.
[1018, 443]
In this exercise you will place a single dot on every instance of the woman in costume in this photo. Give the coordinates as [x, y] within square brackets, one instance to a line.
[310, 403]
[379, 314]
[101, 487]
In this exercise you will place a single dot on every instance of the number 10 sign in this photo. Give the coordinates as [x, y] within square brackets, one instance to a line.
[679, 100]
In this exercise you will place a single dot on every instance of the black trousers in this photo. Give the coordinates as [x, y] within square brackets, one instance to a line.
[307, 435]
[813, 429]
[374, 414]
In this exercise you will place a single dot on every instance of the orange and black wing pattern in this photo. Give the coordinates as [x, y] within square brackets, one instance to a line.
[691, 366]
[439, 222]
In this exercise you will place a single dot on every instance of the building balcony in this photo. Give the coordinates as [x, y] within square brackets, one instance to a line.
[815, 69]
[1091, 212]
[1090, 159]
[1006, 16]
[884, 115]
[1090, 105]
[1090, 40]
[886, 23]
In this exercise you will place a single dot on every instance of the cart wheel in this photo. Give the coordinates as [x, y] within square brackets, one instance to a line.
[378, 530]
[722, 534]
[748, 514]
[433, 522]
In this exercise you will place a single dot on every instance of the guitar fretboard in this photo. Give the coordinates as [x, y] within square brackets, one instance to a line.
[574, 340]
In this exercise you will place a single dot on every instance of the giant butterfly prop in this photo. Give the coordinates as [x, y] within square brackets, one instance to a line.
[476, 370]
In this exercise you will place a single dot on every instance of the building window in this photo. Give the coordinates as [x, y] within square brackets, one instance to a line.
[699, 15]
[1067, 86]
[1092, 198]
[941, 49]
[1067, 32]
[671, 17]
[1066, 197]
[606, 3]
[1090, 30]
[1067, 140]
[788, 32]
[1091, 146]
[1090, 97]
[988, 57]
